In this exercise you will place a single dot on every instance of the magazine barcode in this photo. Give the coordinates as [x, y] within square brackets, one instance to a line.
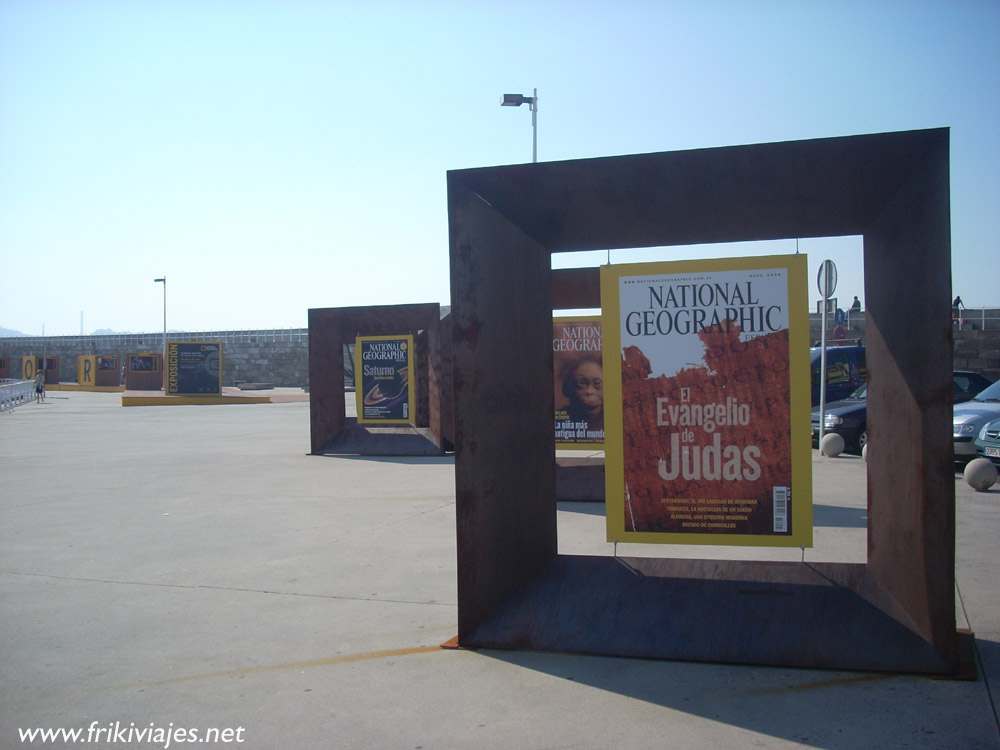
[780, 497]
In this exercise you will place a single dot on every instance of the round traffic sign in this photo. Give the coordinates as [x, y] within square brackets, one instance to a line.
[826, 280]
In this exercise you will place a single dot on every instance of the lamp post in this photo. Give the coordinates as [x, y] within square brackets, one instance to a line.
[516, 100]
[163, 363]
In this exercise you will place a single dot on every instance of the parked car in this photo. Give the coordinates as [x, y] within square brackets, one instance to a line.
[845, 371]
[969, 419]
[988, 442]
[849, 417]
[969, 385]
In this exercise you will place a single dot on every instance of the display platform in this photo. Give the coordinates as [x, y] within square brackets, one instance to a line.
[91, 388]
[230, 396]
[580, 475]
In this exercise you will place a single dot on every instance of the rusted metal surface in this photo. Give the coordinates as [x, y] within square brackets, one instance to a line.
[504, 443]
[911, 479]
[776, 613]
[576, 288]
[142, 380]
[50, 366]
[396, 440]
[580, 478]
[817, 188]
[112, 374]
[330, 329]
[896, 612]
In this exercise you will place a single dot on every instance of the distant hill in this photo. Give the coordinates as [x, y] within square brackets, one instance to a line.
[9, 332]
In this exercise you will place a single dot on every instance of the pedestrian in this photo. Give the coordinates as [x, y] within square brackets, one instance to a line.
[40, 387]
[856, 305]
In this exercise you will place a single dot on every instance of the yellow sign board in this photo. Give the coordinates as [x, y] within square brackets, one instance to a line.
[86, 369]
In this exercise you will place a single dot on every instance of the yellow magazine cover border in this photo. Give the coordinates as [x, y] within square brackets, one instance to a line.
[801, 404]
[411, 394]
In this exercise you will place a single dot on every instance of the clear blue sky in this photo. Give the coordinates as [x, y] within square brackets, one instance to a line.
[269, 157]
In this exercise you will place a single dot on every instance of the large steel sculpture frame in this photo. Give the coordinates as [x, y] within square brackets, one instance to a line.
[895, 612]
[330, 329]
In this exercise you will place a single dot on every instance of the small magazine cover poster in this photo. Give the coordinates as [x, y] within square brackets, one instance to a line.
[194, 368]
[579, 382]
[707, 402]
[382, 367]
[143, 363]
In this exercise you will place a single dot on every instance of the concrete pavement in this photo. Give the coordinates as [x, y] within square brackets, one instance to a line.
[193, 568]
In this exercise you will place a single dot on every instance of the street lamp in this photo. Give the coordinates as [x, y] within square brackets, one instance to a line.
[516, 100]
[163, 365]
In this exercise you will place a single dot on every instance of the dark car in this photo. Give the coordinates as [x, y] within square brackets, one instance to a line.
[849, 417]
[845, 371]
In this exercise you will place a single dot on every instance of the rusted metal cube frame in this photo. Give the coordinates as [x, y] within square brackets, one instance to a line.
[331, 328]
[145, 381]
[895, 612]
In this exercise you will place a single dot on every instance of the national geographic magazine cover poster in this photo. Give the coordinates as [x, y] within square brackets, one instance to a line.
[194, 368]
[707, 402]
[382, 367]
[579, 382]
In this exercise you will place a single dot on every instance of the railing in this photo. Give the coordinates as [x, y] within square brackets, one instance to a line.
[976, 318]
[14, 393]
[116, 341]
[966, 319]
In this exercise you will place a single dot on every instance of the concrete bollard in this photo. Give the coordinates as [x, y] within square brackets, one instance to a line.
[980, 474]
[832, 445]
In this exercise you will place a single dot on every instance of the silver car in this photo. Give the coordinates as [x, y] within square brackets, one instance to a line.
[969, 419]
[988, 442]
